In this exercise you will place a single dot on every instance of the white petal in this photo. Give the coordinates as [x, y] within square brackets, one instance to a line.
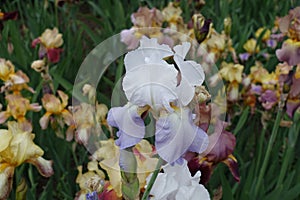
[152, 85]
[183, 170]
[191, 70]
[182, 50]
[185, 92]
[194, 192]
[148, 52]
[164, 186]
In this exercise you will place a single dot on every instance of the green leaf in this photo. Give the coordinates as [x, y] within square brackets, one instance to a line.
[242, 121]
[227, 192]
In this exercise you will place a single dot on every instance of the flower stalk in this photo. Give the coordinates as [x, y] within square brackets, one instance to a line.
[152, 180]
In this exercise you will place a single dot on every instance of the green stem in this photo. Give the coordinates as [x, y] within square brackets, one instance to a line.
[268, 152]
[152, 180]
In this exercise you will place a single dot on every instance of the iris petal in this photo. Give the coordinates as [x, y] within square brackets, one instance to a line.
[152, 85]
[130, 124]
[148, 52]
[189, 69]
[191, 73]
[176, 133]
[185, 92]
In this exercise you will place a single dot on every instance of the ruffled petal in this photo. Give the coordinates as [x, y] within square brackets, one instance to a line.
[5, 138]
[290, 52]
[128, 37]
[183, 170]
[191, 73]
[152, 85]
[182, 50]
[164, 186]
[131, 126]
[22, 145]
[176, 133]
[148, 52]
[191, 70]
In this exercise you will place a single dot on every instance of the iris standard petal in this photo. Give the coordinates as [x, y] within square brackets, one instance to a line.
[191, 73]
[131, 126]
[148, 52]
[182, 50]
[164, 186]
[5, 138]
[176, 133]
[289, 52]
[183, 170]
[152, 85]
[191, 70]
[185, 92]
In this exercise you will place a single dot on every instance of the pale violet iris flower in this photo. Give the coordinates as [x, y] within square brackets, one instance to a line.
[176, 183]
[153, 85]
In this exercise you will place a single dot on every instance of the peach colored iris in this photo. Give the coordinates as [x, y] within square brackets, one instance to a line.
[55, 106]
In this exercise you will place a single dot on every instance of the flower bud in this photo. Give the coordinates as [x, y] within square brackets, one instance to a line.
[202, 27]
[6, 69]
[90, 92]
[38, 65]
[227, 25]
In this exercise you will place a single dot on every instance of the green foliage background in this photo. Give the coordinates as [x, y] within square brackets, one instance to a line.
[84, 25]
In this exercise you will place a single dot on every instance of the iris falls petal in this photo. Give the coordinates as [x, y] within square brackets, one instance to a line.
[130, 124]
[176, 134]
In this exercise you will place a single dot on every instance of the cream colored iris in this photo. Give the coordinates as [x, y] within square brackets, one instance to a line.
[232, 72]
[109, 154]
[250, 46]
[17, 147]
[55, 106]
[6, 69]
[51, 38]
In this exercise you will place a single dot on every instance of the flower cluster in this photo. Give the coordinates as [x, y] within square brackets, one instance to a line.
[17, 105]
[163, 25]
[213, 47]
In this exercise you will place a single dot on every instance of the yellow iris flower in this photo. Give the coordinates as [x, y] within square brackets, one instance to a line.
[17, 147]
